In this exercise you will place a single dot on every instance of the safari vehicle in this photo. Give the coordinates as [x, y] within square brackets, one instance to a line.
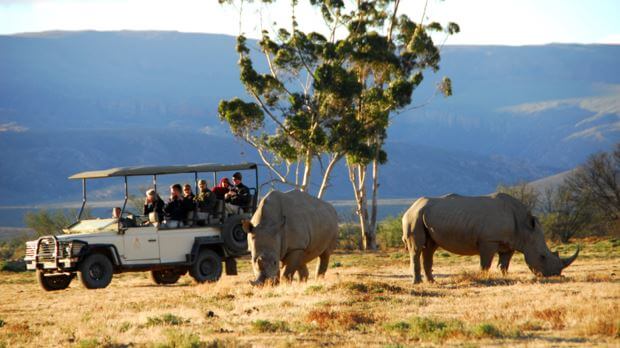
[96, 248]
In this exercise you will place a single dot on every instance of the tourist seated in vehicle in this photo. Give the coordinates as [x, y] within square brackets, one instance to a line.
[222, 189]
[153, 204]
[205, 198]
[128, 221]
[189, 205]
[174, 210]
[238, 195]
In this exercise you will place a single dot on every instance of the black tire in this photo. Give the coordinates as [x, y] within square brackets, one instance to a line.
[207, 267]
[165, 276]
[95, 272]
[234, 237]
[54, 282]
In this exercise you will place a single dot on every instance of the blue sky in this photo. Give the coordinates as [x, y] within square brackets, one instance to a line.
[506, 22]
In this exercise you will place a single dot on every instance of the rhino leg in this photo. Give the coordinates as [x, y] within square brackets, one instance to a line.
[487, 251]
[504, 260]
[321, 268]
[427, 256]
[292, 263]
[303, 273]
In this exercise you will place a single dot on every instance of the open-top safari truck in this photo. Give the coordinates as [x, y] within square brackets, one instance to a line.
[96, 248]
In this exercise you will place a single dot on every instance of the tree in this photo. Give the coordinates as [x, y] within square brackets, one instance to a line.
[525, 193]
[564, 213]
[597, 182]
[331, 96]
[45, 222]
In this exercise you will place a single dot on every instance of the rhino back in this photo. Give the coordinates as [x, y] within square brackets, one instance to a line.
[311, 224]
[458, 224]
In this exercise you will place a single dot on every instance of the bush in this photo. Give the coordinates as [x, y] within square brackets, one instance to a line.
[390, 232]
[349, 237]
[13, 266]
[268, 326]
[165, 319]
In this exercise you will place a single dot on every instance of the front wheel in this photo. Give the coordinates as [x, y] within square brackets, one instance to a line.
[207, 267]
[95, 272]
[54, 282]
[165, 276]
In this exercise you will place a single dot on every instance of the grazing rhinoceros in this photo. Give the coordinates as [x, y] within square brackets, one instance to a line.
[484, 225]
[293, 228]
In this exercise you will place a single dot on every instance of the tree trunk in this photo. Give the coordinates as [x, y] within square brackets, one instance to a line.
[328, 172]
[307, 171]
[375, 193]
[358, 180]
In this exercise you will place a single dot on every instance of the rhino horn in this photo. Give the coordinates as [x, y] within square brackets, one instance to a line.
[568, 261]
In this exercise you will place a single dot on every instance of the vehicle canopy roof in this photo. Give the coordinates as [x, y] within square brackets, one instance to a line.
[159, 170]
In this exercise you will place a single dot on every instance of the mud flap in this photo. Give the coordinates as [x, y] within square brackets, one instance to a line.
[230, 266]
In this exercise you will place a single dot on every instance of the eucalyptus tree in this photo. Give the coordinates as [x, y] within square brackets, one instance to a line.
[331, 94]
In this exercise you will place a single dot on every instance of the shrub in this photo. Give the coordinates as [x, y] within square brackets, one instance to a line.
[177, 339]
[435, 329]
[486, 330]
[2, 323]
[13, 266]
[165, 319]
[390, 232]
[268, 326]
[349, 236]
[88, 343]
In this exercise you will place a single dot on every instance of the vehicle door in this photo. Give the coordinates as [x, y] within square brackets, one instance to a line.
[141, 245]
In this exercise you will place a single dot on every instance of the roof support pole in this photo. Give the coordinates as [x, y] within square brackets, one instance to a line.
[126, 197]
[83, 199]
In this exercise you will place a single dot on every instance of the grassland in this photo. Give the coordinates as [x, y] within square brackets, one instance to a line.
[365, 300]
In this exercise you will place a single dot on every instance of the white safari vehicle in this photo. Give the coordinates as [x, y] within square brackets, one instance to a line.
[95, 248]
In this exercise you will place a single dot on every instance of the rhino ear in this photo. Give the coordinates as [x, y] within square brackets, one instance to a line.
[247, 226]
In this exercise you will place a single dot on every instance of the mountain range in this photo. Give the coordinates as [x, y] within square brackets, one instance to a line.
[76, 101]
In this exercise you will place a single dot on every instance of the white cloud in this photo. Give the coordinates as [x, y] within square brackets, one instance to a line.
[12, 127]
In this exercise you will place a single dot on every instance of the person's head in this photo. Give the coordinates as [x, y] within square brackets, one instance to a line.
[150, 195]
[116, 212]
[224, 182]
[202, 184]
[175, 190]
[237, 178]
[187, 190]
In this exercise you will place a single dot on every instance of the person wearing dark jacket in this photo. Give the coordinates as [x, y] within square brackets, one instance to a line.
[174, 210]
[239, 194]
[153, 203]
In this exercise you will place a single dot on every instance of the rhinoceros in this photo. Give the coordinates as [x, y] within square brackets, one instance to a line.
[486, 225]
[292, 228]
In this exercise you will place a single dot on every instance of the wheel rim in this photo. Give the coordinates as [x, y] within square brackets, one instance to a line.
[207, 267]
[96, 271]
[239, 234]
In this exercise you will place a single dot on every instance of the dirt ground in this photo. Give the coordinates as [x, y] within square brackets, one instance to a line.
[365, 300]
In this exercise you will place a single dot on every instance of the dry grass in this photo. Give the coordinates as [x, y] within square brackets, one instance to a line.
[365, 299]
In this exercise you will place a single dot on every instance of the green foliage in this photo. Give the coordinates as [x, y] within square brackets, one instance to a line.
[89, 343]
[331, 94]
[486, 330]
[1, 323]
[390, 232]
[165, 319]
[268, 326]
[13, 266]
[349, 237]
[433, 329]
[178, 339]
[13, 249]
[45, 222]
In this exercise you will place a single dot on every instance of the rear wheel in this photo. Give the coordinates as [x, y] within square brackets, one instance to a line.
[207, 267]
[54, 282]
[95, 272]
[165, 276]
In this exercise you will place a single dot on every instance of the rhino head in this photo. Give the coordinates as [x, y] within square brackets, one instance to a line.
[264, 241]
[539, 258]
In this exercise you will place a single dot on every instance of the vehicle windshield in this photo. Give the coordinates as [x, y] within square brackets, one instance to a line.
[93, 226]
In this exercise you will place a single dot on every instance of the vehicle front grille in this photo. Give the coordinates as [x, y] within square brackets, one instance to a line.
[47, 249]
[31, 250]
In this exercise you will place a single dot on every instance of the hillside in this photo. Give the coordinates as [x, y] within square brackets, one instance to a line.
[74, 101]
